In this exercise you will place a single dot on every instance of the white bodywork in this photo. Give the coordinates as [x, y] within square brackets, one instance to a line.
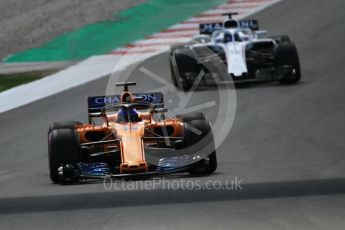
[234, 43]
[236, 58]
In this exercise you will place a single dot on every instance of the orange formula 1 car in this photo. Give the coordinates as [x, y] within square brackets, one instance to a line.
[133, 138]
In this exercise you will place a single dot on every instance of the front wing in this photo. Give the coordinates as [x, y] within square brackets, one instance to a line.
[166, 166]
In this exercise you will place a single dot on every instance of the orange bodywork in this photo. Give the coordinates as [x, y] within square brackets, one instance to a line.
[129, 138]
[132, 146]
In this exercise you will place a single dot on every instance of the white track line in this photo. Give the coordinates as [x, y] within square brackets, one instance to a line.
[99, 66]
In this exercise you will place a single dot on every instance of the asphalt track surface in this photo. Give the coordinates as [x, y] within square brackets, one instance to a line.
[286, 145]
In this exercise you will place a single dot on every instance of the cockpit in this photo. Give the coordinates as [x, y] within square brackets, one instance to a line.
[127, 113]
[227, 36]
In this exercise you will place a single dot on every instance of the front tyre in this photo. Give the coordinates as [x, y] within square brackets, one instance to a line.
[199, 138]
[184, 68]
[287, 55]
[63, 150]
[63, 125]
[207, 165]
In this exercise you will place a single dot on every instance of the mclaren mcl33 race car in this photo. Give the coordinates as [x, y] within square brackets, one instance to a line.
[234, 49]
[129, 136]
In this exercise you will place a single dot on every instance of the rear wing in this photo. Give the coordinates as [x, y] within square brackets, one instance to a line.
[96, 104]
[209, 28]
[250, 24]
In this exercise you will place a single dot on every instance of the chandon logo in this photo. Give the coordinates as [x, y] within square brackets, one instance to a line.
[116, 99]
[210, 27]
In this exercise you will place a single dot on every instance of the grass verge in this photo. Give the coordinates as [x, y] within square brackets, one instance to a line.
[8, 81]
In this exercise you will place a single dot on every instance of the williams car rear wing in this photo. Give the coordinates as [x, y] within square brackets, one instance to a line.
[209, 28]
[97, 104]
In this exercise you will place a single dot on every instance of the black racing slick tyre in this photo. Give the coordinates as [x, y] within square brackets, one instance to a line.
[63, 125]
[199, 138]
[175, 47]
[281, 38]
[287, 55]
[184, 68]
[192, 116]
[63, 149]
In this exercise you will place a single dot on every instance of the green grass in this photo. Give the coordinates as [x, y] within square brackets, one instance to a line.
[128, 26]
[8, 81]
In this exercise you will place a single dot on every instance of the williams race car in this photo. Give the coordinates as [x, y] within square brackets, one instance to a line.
[133, 138]
[234, 49]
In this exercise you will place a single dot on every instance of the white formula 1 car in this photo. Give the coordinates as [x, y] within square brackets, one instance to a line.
[234, 49]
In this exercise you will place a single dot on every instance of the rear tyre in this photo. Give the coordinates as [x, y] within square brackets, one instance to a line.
[184, 68]
[198, 136]
[287, 55]
[63, 149]
[282, 38]
[192, 116]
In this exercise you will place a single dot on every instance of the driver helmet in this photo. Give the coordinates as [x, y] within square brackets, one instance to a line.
[127, 115]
